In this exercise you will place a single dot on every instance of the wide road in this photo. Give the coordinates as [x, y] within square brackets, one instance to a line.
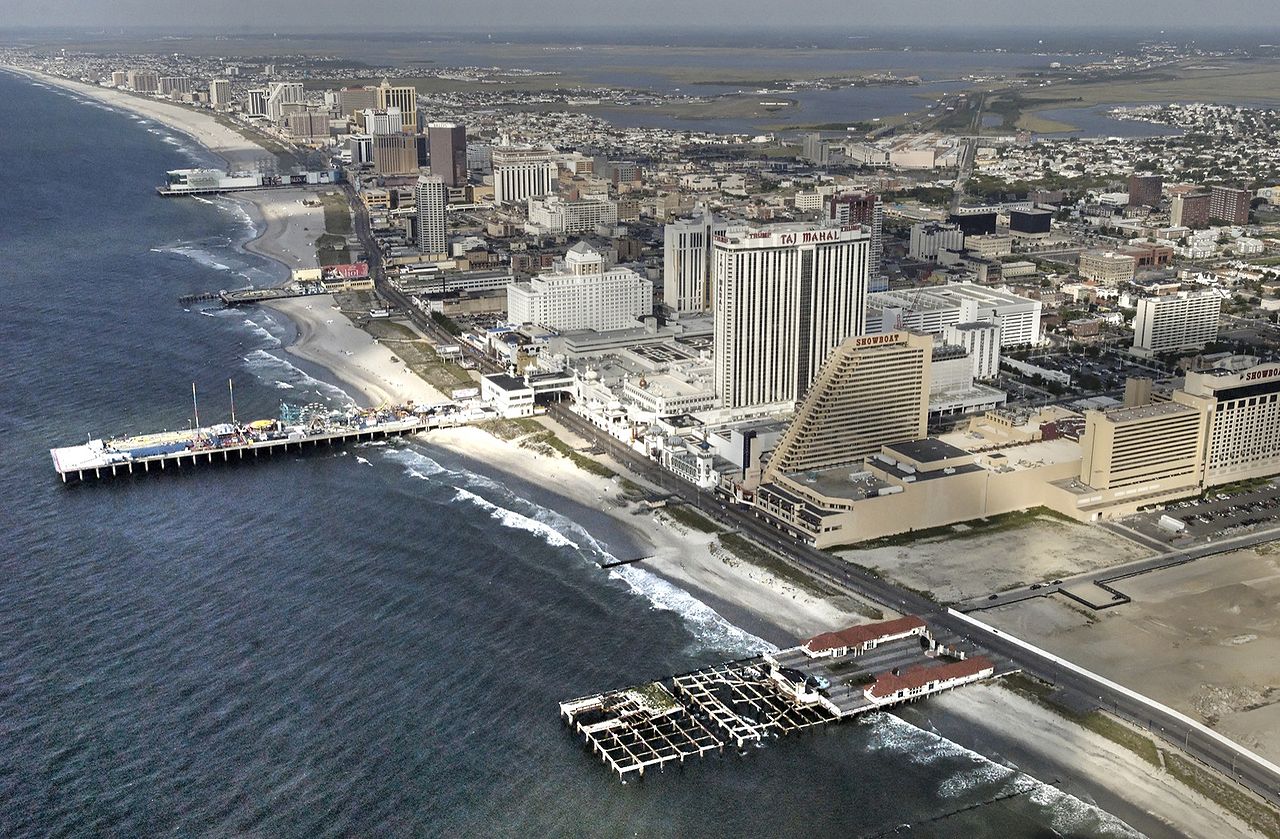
[846, 577]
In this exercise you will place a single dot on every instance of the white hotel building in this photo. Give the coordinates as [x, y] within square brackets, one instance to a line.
[521, 173]
[934, 308]
[1182, 321]
[553, 214]
[686, 260]
[581, 295]
[785, 297]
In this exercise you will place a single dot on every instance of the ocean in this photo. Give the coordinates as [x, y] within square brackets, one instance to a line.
[363, 642]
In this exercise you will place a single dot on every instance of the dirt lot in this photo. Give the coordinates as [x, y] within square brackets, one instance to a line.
[970, 563]
[1203, 638]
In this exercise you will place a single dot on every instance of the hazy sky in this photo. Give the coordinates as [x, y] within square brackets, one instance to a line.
[310, 15]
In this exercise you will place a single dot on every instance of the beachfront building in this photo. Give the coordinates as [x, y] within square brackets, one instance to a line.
[785, 296]
[1243, 409]
[581, 293]
[255, 104]
[144, 81]
[430, 196]
[1158, 447]
[520, 173]
[220, 93]
[872, 391]
[307, 125]
[280, 95]
[1183, 321]
[404, 97]
[174, 86]
[447, 142]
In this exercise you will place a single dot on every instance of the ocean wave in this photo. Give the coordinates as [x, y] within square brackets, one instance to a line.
[273, 369]
[901, 740]
[709, 629]
[196, 254]
[516, 521]
[415, 463]
[262, 332]
[237, 210]
[1069, 816]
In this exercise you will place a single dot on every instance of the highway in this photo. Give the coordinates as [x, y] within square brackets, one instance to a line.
[1259, 776]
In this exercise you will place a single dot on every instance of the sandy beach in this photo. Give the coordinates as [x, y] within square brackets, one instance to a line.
[1086, 754]
[289, 227]
[327, 338]
[239, 152]
[688, 557]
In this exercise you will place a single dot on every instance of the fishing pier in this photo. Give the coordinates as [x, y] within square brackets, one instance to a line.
[831, 678]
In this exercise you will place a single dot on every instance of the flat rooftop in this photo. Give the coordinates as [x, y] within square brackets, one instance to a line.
[1155, 409]
[944, 296]
[928, 450]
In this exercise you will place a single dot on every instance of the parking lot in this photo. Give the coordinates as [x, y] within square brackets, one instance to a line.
[1104, 372]
[1219, 516]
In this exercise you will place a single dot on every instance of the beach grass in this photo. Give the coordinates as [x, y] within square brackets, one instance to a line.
[749, 552]
[332, 249]
[690, 518]
[337, 213]
[532, 434]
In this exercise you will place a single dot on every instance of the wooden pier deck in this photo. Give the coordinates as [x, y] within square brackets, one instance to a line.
[744, 702]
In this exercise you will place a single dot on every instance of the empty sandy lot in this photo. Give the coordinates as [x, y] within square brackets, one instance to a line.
[1203, 638]
[973, 563]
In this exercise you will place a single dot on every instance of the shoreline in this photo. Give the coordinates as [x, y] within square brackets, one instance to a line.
[741, 594]
[235, 150]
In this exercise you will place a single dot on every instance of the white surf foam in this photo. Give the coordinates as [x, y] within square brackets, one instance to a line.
[709, 629]
[416, 464]
[198, 255]
[273, 369]
[261, 331]
[516, 521]
[1069, 815]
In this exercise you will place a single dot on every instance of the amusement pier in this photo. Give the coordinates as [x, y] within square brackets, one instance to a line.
[830, 678]
[295, 429]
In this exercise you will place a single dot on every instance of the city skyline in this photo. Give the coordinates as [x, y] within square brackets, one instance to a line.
[406, 15]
